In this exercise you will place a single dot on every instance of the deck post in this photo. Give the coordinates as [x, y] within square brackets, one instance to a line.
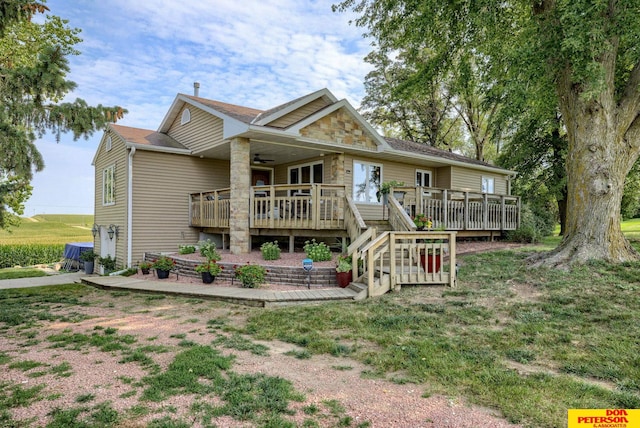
[445, 209]
[465, 226]
[485, 211]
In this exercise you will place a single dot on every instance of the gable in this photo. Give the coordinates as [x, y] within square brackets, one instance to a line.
[300, 113]
[201, 132]
[340, 127]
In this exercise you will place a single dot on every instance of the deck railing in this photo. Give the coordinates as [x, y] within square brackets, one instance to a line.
[396, 258]
[299, 206]
[460, 210]
[325, 206]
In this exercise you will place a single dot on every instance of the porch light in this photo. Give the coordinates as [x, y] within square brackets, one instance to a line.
[95, 230]
[112, 230]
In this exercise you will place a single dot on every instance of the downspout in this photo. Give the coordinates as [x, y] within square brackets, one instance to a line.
[132, 152]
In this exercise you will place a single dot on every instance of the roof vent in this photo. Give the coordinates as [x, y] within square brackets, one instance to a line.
[196, 89]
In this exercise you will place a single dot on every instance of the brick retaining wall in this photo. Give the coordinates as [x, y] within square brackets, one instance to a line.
[275, 274]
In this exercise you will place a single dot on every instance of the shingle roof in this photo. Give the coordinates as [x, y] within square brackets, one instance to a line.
[146, 137]
[243, 114]
[425, 149]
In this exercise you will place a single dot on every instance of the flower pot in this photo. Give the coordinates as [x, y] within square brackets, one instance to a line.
[88, 267]
[432, 262]
[145, 271]
[344, 278]
[162, 274]
[207, 277]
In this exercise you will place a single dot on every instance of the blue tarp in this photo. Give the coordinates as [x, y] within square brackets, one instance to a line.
[72, 250]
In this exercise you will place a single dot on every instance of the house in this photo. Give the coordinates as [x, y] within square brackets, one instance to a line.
[311, 167]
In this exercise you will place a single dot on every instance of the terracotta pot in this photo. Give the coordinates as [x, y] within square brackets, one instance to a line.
[162, 274]
[344, 278]
[432, 261]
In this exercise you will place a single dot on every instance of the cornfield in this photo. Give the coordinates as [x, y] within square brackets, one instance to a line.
[41, 239]
[30, 254]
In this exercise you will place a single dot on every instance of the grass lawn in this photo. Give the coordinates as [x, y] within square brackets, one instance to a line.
[50, 229]
[529, 343]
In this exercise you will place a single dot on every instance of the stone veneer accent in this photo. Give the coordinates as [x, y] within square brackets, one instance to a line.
[339, 127]
[240, 176]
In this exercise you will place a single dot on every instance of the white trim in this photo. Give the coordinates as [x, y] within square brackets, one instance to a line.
[185, 117]
[105, 170]
[130, 206]
[302, 165]
[294, 106]
[491, 189]
[353, 181]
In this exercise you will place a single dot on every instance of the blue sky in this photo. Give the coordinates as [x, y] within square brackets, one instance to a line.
[140, 54]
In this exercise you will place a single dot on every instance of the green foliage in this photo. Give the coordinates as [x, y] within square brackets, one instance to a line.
[211, 266]
[15, 273]
[34, 67]
[532, 227]
[208, 250]
[108, 263]
[30, 254]
[317, 251]
[164, 263]
[270, 250]
[630, 205]
[88, 256]
[344, 264]
[251, 276]
[186, 249]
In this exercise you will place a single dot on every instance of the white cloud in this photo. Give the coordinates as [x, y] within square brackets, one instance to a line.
[140, 54]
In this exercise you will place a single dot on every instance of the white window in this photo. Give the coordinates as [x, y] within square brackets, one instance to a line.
[366, 182]
[488, 184]
[108, 185]
[186, 116]
[107, 145]
[423, 178]
[311, 173]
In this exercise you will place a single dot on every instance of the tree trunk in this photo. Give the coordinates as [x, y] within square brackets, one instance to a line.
[597, 163]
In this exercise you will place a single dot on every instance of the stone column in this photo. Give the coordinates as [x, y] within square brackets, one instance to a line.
[240, 164]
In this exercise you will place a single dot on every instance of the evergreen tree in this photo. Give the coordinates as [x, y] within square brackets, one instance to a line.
[33, 84]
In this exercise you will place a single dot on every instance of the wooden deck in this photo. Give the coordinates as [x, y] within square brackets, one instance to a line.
[327, 207]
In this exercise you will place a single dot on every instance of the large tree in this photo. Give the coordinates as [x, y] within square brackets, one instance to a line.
[33, 69]
[586, 49]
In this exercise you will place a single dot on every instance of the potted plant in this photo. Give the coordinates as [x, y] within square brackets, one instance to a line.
[208, 271]
[422, 222]
[108, 264]
[163, 265]
[344, 273]
[88, 259]
[251, 276]
[145, 266]
[385, 189]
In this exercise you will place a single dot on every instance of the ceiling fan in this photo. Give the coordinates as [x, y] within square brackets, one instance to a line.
[258, 159]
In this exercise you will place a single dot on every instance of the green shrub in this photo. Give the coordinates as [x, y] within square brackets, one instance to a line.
[270, 250]
[208, 250]
[30, 254]
[251, 276]
[108, 263]
[532, 228]
[186, 249]
[317, 251]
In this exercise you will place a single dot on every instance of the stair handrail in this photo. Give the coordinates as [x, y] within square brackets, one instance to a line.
[369, 256]
[398, 217]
